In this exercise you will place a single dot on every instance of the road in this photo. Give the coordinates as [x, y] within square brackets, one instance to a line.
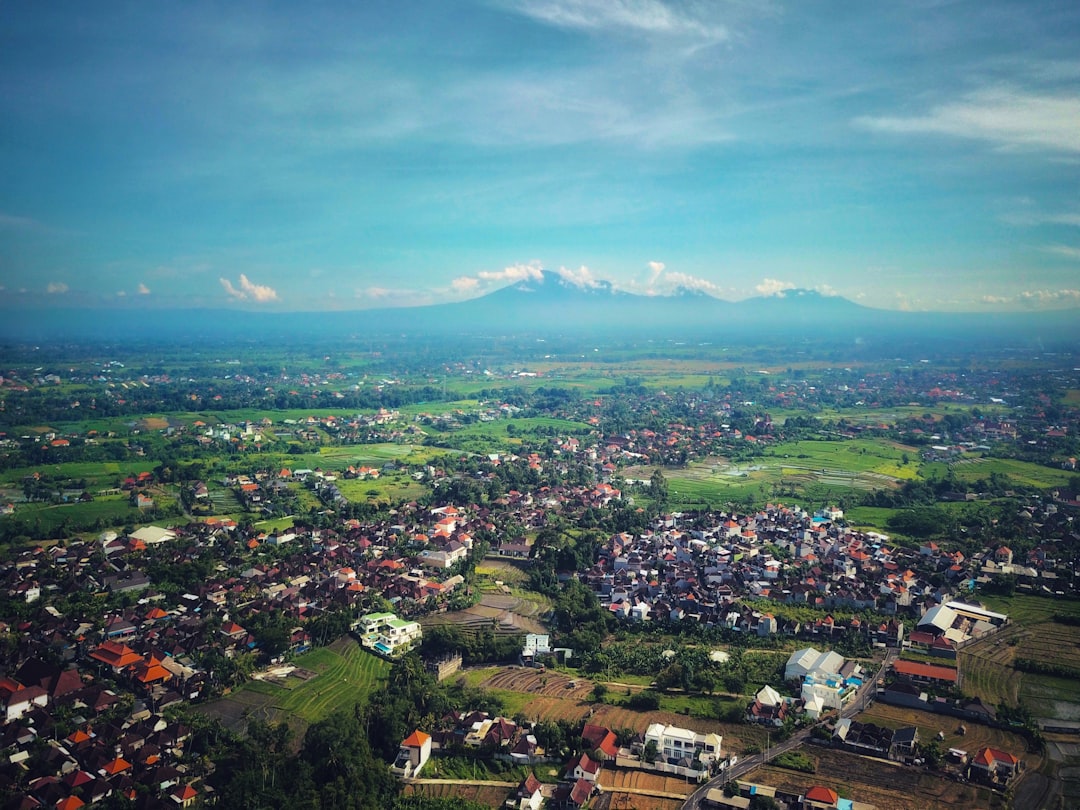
[696, 800]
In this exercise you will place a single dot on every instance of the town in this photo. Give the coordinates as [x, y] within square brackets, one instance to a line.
[643, 595]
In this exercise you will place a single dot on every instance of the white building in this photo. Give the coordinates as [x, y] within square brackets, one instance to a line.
[673, 743]
[414, 753]
[386, 634]
[809, 661]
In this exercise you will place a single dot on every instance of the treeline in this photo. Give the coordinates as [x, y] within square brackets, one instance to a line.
[1051, 668]
[342, 761]
[483, 647]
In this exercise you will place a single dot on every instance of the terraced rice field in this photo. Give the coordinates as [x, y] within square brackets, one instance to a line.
[504, 614]
[989, 673]
[328, 679]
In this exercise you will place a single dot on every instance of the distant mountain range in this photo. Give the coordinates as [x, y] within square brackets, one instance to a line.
[554, 306]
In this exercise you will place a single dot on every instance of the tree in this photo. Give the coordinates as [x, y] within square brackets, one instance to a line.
[650, 752]
[658, 489]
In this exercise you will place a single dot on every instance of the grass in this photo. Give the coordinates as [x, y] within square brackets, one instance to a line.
[1022, 473]
[346, 675]
[98, 474]
[988, 664]
[111, 510]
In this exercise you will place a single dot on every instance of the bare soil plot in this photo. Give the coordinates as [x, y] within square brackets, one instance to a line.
[887, 786]
[488, 795]
[615, 778]
[501, 613]
[633, 801]
[549, 696]
[929, 724]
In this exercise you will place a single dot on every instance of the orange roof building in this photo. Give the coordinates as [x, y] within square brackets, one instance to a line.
[116, 655]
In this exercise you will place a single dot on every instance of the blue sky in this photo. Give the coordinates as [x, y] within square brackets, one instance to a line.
[308, 156]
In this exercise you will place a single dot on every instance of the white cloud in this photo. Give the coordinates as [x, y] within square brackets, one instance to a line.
[827, 290]
[56, 288]
[635, 16]
[1068, 251]
[674, 281]
[1040, 297]
[465, 284]
[121, 293]
[143, 289]
[582, 277]
[1002, 115]
[515, 272]
[249, 291]
[1035, 299]
[19, 223]
[771, 286]
[655, 269]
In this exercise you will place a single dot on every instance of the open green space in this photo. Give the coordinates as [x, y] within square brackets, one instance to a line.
[97, 474]
[1022, 473]
[110, 510]
[812, 469]
[346, 674]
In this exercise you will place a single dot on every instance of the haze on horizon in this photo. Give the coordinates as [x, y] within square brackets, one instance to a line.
[356, 155]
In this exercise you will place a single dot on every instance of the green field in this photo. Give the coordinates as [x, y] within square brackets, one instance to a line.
[987, 665]
[813, 470]
[1022, 473]
[345, 674]
[111, 510]
[98, 474]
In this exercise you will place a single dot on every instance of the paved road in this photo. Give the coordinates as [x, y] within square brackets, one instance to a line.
[696, 799]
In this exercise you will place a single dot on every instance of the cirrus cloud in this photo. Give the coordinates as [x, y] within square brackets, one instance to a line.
[249, 291]
[1002, 115]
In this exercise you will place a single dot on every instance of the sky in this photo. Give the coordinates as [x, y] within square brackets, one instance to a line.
[324, 155]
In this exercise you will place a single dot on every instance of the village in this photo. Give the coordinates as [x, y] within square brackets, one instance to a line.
[120, 641]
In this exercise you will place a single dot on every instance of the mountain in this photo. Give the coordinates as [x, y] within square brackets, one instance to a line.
[554, 306]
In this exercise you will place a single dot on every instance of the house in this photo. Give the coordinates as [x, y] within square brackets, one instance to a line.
[809, 661]
[995, 765]
[572, 796]
[584, 767]
[386, 634]
[184, 795]
[18, 699]
[926, 673]
[600, 739]
[675, 744]
[536, 645]
[821, 798]
[413, 754]
[528, 795]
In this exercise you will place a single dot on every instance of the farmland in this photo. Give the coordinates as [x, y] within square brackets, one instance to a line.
[549, 695]
[326, 680]
[989, 672]
[929, 724]
[886, 785]
[811, 468]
